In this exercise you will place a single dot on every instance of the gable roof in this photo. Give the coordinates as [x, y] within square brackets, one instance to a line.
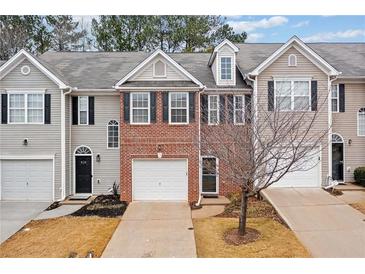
[151, 57]
[216, 49]
[23, 54]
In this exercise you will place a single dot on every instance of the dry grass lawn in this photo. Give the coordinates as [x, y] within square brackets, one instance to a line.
[57, 238]
[359, 206]
[275, 241]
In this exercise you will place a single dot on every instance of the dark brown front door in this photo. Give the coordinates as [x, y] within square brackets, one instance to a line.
[337, 161]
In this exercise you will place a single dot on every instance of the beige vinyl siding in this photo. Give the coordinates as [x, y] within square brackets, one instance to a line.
[95, 136]
[225, 51]
[43, 139]
[172, 73]
[304, 69]
[345, 124]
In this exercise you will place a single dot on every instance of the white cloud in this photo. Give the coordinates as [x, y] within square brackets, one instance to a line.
[265, 23]
[331, 36]
[254, 37]
[301, 24]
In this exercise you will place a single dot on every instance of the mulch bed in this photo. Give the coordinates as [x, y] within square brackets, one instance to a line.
[232, 236]
[53, 206]
[103, 206]
[334, 192]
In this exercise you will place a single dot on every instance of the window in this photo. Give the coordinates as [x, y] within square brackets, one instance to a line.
[239, 109]
[83, 110]
[209, 174]
[292, 60]
[292, 95]
[213, 109]
[140, 108]
[159, 69]
[26, 108]
[179, 108]
[226, 68]
[361, 122]
[113, 134]
[334, 98]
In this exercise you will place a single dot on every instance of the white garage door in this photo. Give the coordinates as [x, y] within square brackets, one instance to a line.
[308, 176]
[160, 180]
[27, 180]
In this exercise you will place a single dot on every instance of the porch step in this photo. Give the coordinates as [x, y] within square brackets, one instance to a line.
[74, 200]
[350, 187]
[220, 200]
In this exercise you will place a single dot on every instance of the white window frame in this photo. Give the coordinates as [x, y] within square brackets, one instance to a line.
[359, 112]
[132, 108]
[187, 108]
[25, 93]
[107, 133]
[236, 109]
[220, 68]
[295, 60]
[292, 96]
[79, 110]
[216, 173]
[216, 109]
[337, 98]
[154, 70]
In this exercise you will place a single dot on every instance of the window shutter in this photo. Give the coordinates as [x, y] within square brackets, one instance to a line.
[248, 109]
[126, 107]
[191, 107]
[47, 108]
[165, 106]
[314, 96]
[230, 109]
[91, 110]
[204, 108]
[270, 96]
[341, 93]
[4, 108]
[75, 110]
[153, 107]
[222, 108]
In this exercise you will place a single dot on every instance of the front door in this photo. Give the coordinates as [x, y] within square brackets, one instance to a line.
[337, 161]
[83, 174]
[209, 176]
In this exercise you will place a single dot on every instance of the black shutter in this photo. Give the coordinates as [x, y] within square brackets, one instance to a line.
[222, 108]
[248, 109]
[47, 108]
[75, 110]
[165, 106]
[314, 92]
[91, 110]
[126, 107]
[204, 108]
[230, 108]
[191, 107]
[153, 106]
[270, 95]
[4, 108]
[341, 93]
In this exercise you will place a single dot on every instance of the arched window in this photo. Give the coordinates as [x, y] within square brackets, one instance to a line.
[361, 122]
[159, 69]
[336, 139]
[292, 60]
[113, 134]
[83, 150]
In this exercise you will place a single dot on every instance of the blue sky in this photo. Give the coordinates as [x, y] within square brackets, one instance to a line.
[309, 28]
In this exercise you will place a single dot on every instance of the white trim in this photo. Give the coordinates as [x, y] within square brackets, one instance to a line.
[316, 59]
[216, 174]
[220, 66]
[337, 98]
[358, 113]
[243, 109]
[74, 168]
[226, 82]
[295, 60]
[131, 108]
[154, 70]
[217, 109]
[25, 67]
[23, 52]
[343, 154]
[217, 48]
[107, 134]
[79, 110]
[187, 108]
[148, 59]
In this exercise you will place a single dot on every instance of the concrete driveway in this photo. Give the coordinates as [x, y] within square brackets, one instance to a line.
[153, 229]
[327, 226]
[14, 215]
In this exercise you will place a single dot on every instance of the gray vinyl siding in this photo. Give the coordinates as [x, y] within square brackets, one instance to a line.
[225, 51]
[345, 124]
[43, 139]
[305, 69]
[68, 144]
[95, 137]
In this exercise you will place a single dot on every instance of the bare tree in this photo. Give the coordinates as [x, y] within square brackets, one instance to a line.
[259, 141]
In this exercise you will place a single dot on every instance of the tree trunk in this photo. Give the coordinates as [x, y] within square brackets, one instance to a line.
[243, 213]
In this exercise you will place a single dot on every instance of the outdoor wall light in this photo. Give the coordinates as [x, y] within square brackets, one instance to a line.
[159, 151]
[350, 142]
[25, 142]
[98, 158]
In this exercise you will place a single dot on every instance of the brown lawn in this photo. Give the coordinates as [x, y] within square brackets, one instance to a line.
[276, 241]
[360, 206]
[57, 238]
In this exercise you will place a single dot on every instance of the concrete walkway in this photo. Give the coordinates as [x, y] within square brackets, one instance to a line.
[60, 211]
[153, 229]
[327, 226]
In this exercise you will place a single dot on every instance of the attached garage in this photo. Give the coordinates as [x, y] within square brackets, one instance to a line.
[160, 180]
[29, 180]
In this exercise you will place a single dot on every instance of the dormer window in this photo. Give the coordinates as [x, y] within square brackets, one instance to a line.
[292, 60]
[226, 68]
[159, 69]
